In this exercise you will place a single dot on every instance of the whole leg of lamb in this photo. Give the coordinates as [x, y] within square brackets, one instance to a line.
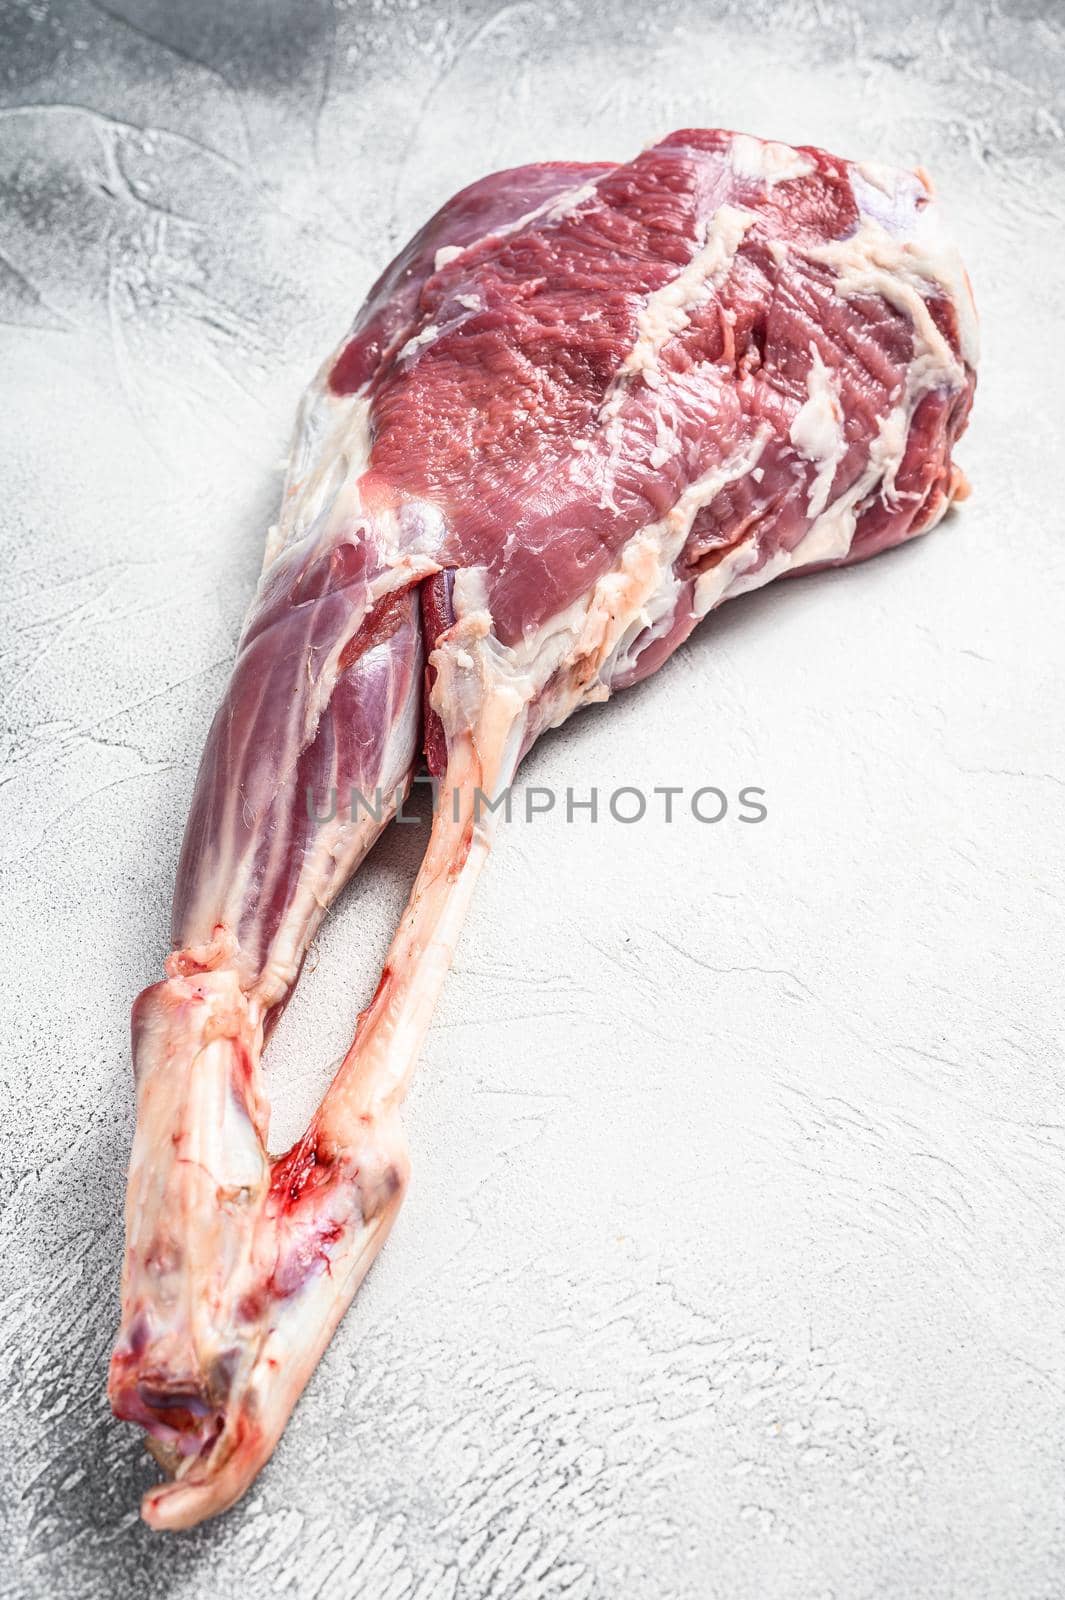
[587, 404]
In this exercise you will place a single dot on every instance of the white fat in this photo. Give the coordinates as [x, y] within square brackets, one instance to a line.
[663, 315]
[667, 312]
[714, 584]
[553, 210]
[934, 258]
[470, 591]
[902, 271]
[469, 302]
[413, 345]
[889, 446]
[831, 533]
[705, 489]
[667, 439]
[765, 159]
[882, 177]
[654, 618]
[330, 452]
[817, 430]
[569, 202]
[828, 538]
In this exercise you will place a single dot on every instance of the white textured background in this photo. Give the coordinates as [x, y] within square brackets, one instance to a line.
[732, 1267]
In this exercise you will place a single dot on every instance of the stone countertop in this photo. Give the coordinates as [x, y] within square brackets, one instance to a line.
[732, 1263]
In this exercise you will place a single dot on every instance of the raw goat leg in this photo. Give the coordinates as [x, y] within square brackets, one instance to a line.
[584, 407]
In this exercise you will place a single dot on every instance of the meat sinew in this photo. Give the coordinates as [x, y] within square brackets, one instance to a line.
[587, 404]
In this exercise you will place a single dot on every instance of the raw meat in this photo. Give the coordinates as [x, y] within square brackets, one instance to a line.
[585, 406]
